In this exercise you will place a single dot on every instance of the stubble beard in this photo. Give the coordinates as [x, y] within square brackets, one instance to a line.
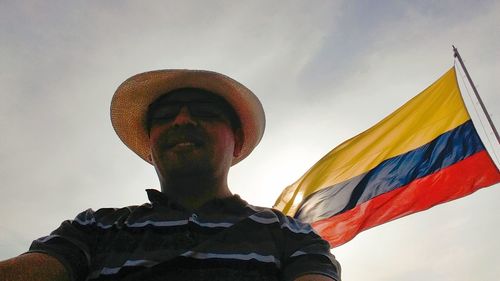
[186, 166]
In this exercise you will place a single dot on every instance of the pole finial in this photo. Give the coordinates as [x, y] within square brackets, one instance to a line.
[455, 51]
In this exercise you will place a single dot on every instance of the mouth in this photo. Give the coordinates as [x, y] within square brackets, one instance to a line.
[183, 143]
[183, 137]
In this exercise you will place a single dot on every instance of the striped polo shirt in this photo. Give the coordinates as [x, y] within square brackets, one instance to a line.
[225, 239]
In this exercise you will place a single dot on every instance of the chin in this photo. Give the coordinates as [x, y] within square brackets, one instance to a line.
[189, 164]
[192, 164]
[191, 171]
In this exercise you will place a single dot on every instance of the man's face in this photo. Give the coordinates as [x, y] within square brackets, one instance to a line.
[191, 133]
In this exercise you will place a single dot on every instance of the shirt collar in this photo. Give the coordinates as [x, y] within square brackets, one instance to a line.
[229, 204]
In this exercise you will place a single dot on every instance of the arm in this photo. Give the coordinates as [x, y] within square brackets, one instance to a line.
[33, 267]
[306, 255]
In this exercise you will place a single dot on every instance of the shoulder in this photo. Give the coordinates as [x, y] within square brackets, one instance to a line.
[274, 217]
[304, 251]
[107, 217]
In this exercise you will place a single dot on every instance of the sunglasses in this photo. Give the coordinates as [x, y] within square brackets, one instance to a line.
[201, 109]
[211, 109]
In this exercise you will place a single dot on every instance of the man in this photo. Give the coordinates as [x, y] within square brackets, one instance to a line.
[192, 126]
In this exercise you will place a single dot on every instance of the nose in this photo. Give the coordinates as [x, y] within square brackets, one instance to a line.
[183, 117]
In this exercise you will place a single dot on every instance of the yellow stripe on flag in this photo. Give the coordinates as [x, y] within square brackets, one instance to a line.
[436, 110]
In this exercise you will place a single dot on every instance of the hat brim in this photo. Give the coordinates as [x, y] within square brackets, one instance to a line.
[131, 100]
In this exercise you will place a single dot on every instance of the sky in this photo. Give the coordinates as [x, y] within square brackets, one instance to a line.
[323, 70]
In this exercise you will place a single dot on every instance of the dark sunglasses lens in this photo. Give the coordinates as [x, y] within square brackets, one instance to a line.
[204, 109]
[198, 109]
[167, 111]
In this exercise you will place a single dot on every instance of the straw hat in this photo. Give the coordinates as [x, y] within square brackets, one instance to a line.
[131, 100]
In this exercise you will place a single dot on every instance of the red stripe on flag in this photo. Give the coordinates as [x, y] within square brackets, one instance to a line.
[455, 181]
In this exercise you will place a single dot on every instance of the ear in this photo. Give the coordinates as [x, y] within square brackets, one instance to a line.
[238, 142]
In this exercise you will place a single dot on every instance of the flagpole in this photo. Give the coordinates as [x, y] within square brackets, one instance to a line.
[457, 55]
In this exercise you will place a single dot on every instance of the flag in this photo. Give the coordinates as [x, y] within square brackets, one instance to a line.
[425, 153]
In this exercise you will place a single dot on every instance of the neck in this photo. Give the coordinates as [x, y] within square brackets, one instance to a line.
[193, 191]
